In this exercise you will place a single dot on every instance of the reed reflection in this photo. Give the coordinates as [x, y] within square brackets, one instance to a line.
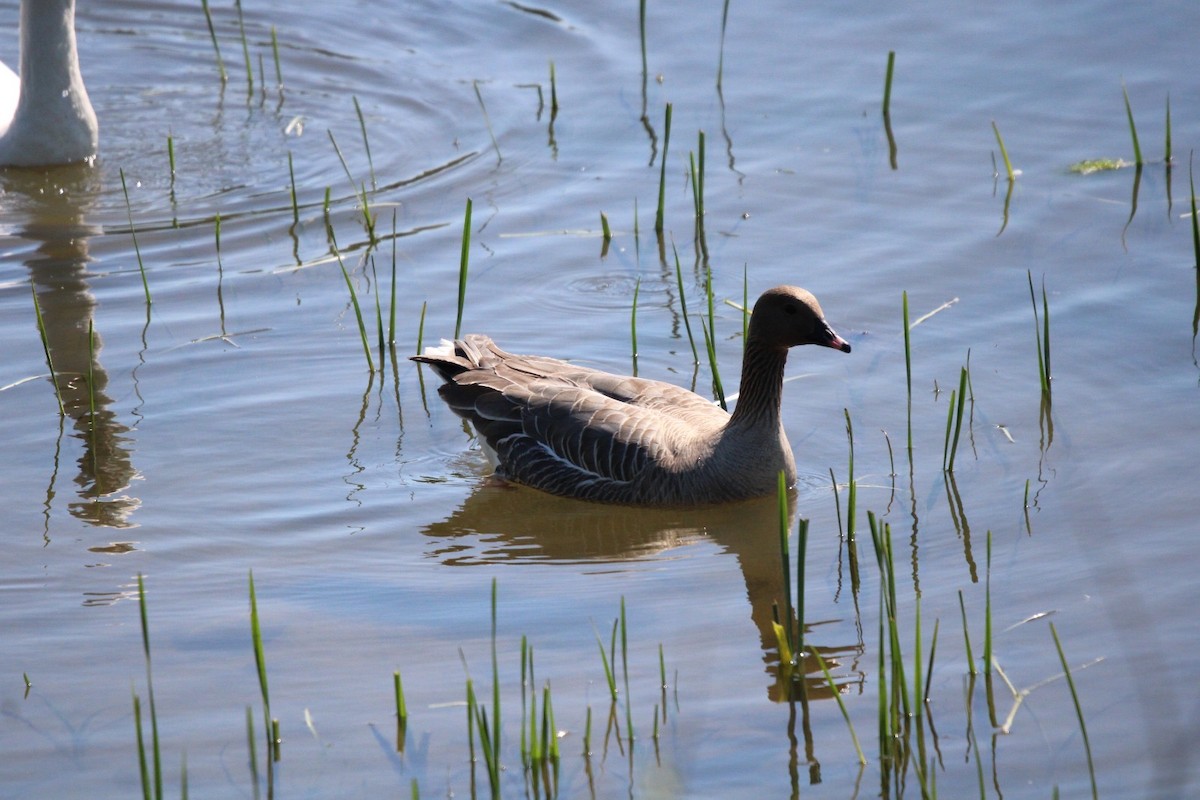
[51, 208]
[501, 523]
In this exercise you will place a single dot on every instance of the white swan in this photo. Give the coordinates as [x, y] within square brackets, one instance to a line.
[45, 114]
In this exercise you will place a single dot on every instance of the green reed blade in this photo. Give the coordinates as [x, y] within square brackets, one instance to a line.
[362, 327]
[378, 313]
[553, 92]
[421, 327]
[609, 678]
[548, 724]
[801, 560]
[212, 32]
[41, 325]
[687, 324]
[133, 233]
[710, 348]
[251, 745]
[398, 689]
[987, 612]
[852, 491]
[158, 779]
[471, 708]
[1008, 167]
[1078, 709]
[91, 378]
[1195, 247]
[1043, 371]
[745, 306]
[908, 373]
[662, 175]
[625, 671]
[633, 322]
[392, 307]
[962, 607]
[462, 269]
[924, 698]
[495, 691]
[721, 50]
[275, 55]
[949, 426]
[143, 768]
[962, 398]
[837, 695]
[587, 731]
[295, 202]
[1137, 150]
[1167, 140]
[1046, 339]
[362, 126]
[345, 167]
[698, 182]
[642, 34]
[487, 120]
[245, 48]
[604, 227]
[785, 565]
[260, 661]
[887, 84]
[170, 158]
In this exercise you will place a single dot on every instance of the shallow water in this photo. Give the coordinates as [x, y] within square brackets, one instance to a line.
[237, 427]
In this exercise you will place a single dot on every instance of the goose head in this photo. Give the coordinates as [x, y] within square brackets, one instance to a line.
[787, 316]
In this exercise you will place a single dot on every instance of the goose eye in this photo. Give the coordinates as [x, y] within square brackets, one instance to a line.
[789, 309]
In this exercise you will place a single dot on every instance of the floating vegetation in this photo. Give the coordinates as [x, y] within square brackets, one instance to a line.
[1097, 165]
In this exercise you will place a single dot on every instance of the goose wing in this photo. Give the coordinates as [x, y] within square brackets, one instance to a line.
[568, 429]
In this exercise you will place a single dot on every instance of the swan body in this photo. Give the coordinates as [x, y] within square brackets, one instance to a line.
[45, 114]
[593, 435]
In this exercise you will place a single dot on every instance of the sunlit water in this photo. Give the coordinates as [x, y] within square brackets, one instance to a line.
[237, 426]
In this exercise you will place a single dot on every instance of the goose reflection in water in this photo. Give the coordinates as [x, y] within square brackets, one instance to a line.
[503, 523]
[49, 207]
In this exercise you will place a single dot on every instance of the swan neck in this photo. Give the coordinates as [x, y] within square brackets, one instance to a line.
[49, 55]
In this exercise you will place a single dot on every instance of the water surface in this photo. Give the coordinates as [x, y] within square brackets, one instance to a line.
[237, 426]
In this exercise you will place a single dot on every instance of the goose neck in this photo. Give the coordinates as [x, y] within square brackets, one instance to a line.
[762, 385]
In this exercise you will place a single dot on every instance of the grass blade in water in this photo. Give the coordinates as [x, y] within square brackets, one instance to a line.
[462, 269]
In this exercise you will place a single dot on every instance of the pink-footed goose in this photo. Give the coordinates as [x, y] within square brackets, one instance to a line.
[583, 433]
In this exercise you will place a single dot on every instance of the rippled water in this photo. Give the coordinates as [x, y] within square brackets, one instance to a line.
[237, 427]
